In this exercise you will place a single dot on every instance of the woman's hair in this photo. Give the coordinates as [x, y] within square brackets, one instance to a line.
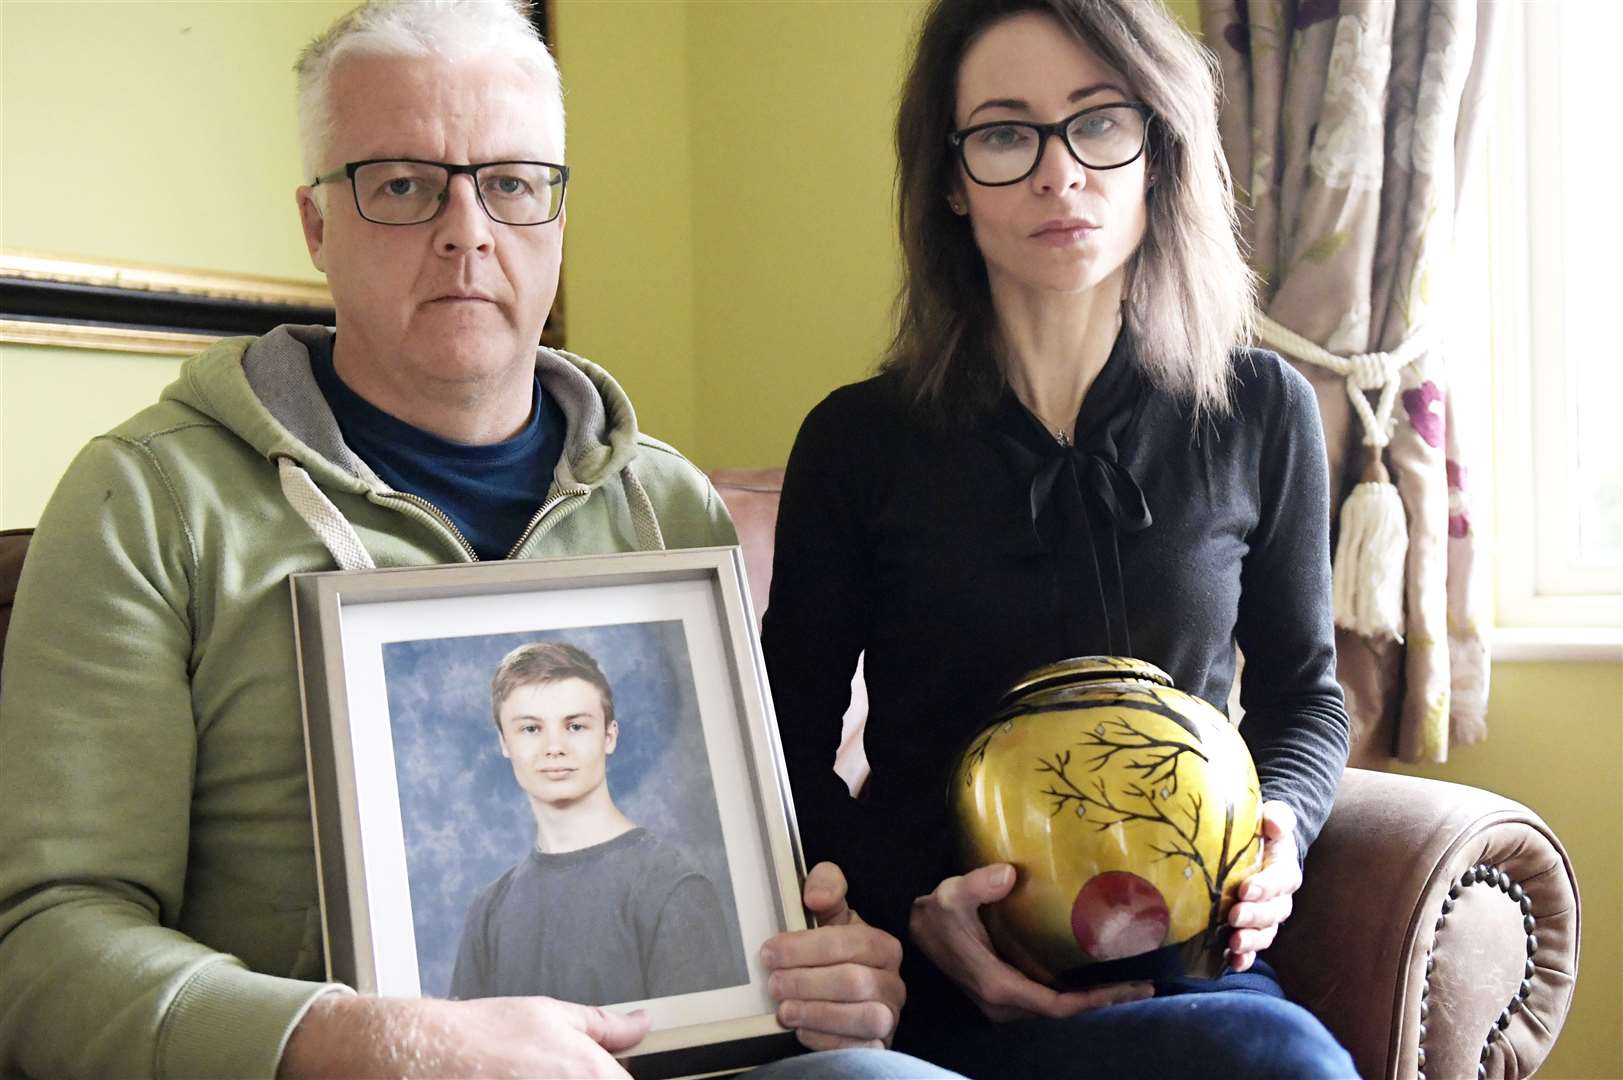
[460, 29]
[1189, 295]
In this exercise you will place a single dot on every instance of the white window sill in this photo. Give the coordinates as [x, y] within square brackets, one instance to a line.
[1576, 644]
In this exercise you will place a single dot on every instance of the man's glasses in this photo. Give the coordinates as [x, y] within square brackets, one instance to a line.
[1007, 151]
[404, 191]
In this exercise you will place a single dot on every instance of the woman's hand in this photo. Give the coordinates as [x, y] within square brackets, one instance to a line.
[947, 926]
[838, 984]
[1265, 896]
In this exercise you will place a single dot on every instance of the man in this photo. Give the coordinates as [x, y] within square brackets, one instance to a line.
[158, 906]
[651, 923]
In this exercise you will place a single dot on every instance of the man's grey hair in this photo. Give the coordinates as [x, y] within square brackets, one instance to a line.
[459, 29]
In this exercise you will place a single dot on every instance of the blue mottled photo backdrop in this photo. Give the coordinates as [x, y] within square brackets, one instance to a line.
[464, 817]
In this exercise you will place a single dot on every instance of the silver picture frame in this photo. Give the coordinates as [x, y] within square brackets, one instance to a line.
[377, 648]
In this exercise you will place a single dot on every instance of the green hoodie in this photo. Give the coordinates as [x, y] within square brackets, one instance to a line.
[158, 906]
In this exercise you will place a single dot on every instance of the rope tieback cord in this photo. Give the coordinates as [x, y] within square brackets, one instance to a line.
[1374, 536]
[1364, 372]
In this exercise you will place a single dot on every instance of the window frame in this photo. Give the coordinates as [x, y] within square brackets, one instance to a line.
[1547, 605]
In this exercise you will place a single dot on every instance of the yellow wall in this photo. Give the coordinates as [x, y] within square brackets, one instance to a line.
[729, 256]
[154, 132]
[628, 248]
[737, 202]
[796, 262]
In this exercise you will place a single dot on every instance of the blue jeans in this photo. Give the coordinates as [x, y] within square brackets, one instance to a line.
[1237, 1026]
[855, 1064]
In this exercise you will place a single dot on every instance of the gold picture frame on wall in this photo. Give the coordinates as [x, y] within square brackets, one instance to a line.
[155, 310]
[123, 307]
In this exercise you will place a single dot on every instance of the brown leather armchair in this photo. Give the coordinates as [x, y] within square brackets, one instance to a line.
[1437, 931]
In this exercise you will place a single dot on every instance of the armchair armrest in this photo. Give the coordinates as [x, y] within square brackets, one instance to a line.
[1436, 930]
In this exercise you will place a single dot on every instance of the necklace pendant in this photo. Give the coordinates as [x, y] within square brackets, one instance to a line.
[1062, 438]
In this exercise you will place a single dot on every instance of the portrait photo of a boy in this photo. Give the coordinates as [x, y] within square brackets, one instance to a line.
[599, 910]
[560, 817]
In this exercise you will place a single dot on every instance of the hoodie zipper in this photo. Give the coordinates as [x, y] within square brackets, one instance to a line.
[546, 508]
[438, 515]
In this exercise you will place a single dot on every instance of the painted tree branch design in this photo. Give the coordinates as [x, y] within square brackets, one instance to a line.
[975, 755]
[1154, 797]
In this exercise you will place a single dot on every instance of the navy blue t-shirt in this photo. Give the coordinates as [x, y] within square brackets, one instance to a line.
[490, 492]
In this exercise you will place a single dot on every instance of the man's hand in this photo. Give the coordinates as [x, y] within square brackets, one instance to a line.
[947, 926]
[343, 1036]
[840, 983]
[1265, 896]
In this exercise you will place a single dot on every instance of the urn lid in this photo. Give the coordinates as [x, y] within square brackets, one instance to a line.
[1080, 670]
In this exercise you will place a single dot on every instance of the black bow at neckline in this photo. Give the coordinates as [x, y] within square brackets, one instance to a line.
[1092, 463]
[1083, 481]
[1093, 470]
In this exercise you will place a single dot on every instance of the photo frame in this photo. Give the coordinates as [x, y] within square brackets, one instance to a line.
[438, 794]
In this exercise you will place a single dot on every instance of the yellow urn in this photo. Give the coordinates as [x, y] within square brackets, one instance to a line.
[1129, 809]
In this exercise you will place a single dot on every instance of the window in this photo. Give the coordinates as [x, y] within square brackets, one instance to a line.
[1539, 244]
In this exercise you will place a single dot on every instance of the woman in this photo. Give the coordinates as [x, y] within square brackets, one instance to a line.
[1063, 455]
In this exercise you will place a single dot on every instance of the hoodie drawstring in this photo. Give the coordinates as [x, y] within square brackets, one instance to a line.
[649, 538]
[331, 527]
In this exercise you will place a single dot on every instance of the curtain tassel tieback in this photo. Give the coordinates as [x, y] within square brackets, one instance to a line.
[1367, 589]
[1367, 594]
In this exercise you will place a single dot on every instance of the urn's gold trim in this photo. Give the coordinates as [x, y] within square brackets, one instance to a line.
[1085, 669]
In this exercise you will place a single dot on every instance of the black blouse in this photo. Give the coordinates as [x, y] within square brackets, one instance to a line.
[959, 558]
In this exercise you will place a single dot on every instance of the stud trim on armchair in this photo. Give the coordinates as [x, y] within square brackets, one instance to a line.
[1482, 873]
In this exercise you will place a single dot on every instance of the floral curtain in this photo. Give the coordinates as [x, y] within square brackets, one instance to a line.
[1347, 126]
